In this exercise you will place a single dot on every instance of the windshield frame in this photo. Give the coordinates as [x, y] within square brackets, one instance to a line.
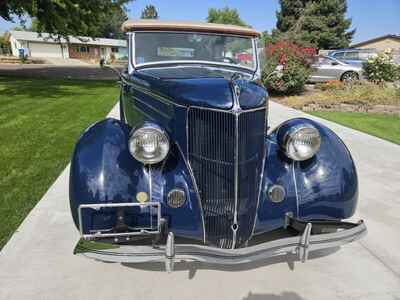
[135, 65]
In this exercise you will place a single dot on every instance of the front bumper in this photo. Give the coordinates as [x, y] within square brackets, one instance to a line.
[170, 252]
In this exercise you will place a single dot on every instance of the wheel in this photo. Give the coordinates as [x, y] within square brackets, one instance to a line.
[349, 77]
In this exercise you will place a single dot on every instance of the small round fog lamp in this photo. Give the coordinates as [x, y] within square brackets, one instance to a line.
[276, 193]
[176, 198]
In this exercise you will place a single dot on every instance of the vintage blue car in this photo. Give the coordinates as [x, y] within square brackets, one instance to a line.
[191, 171]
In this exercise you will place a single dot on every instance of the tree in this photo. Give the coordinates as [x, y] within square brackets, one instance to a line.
[111, 26]
[63, 17]
[266, 39]
[150, 12]
[317, 23]
[5, 47]
[225, 15]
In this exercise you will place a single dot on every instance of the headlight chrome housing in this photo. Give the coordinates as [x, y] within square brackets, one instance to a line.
[301, 142]
[149, 145]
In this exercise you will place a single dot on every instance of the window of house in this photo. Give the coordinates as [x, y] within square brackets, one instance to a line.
[82, 49]
[114, 49]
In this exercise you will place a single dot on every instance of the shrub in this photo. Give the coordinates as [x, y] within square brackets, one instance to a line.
[380, 69]
[295, 68]
[397, 76]
[363, 94]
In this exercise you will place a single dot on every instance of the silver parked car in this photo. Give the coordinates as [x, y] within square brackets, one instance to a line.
[355, 57]
[328, 68]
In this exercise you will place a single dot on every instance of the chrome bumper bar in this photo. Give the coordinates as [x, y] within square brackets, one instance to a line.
[171, 252]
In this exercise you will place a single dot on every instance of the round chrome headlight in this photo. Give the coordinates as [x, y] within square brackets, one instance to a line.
[149, 145]
[301, 142]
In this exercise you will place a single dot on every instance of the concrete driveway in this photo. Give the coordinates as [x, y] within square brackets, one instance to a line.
[37, 263]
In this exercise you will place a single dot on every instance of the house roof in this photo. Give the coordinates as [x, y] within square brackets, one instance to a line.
[46, 38]
[157, 25]
[383, 37]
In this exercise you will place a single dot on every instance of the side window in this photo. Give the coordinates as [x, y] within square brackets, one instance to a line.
[367, 55]
[339, 55]
[352, 55]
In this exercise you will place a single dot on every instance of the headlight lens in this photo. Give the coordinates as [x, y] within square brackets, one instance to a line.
[149, 145]
[302, 142]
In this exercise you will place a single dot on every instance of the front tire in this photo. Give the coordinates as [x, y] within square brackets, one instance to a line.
[349, 77]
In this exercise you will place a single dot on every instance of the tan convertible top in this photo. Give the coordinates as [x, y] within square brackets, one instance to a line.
[157, 25]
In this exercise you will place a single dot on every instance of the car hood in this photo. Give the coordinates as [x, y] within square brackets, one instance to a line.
[204, 87]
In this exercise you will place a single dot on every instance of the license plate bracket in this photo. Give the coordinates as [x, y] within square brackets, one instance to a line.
[119, 219]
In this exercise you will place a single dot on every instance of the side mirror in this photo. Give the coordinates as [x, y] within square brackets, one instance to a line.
[334, 63]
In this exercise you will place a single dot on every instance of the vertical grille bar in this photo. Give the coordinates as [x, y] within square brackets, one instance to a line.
[212, 143]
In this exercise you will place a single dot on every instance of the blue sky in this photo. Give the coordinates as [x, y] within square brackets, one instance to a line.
[371, 18]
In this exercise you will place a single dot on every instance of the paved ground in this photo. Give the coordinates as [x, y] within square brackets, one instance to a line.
[37, 263]
[66, 61]
[93, 72]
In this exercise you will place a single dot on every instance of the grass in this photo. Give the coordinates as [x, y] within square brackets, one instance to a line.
[40, 121]
[383, 126]
[363, 94]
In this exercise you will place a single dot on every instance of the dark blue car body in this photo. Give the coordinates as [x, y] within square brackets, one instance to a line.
[206, 113]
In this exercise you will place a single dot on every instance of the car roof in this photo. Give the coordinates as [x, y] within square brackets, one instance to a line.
[157, 25]
[351, 50]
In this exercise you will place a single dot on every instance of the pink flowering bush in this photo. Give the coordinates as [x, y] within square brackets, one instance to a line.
[294, 67]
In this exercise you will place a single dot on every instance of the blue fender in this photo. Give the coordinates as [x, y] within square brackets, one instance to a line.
[323, 187]
[103, 171]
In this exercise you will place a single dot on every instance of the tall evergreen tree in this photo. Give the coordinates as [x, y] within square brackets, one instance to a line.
[318, 23]
[150, 12]
[111, 26]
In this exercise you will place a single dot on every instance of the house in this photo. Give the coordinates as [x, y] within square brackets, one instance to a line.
[45, 46]
[389, 41]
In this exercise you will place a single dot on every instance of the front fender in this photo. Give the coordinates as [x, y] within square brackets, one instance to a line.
[103, 171]
[323, 187]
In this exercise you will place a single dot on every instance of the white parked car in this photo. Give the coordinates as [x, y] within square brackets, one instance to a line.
[327, 68]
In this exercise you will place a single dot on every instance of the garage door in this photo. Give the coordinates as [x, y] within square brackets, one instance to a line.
[45, 50]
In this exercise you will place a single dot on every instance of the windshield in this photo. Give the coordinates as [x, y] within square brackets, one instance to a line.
[162, 47]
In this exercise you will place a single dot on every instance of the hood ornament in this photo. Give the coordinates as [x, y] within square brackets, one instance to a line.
[235, 77]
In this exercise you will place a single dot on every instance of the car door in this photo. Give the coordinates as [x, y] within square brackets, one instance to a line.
[326, 69]
[353, 58]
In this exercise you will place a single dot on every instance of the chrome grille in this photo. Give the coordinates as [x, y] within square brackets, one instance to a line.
[212, 147]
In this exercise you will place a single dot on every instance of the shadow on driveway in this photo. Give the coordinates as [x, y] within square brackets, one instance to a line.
[282, 296]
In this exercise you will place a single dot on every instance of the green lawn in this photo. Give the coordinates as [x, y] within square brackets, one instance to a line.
[40, 121]
[383, 126]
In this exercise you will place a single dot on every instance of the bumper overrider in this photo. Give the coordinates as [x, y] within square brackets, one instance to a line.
[155, 245]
